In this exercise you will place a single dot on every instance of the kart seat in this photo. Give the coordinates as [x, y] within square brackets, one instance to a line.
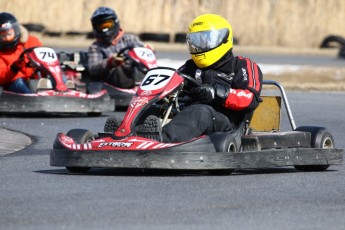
[266, 117]
[40, 84]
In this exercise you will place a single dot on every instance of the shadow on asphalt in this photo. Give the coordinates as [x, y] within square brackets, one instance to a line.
[172, 173]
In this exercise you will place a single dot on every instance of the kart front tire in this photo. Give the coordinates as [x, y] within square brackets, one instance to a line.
[80, 136]
[111, 125]
[320, 138]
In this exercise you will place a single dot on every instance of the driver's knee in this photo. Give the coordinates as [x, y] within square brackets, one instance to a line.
[19, 86]
[118, 78]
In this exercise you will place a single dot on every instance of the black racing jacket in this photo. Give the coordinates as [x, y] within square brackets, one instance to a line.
[240, 77]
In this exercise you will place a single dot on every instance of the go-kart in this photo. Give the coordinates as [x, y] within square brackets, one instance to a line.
[75, 67]
[255, 143]
[51, 94]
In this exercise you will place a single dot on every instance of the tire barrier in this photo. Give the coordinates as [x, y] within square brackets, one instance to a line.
[53, 33]
[34, 27]
[156, 37]
[341, 52]
[180, 38]
[333, 41]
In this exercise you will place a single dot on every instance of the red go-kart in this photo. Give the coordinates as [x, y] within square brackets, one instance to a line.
[248, 146]
[51, 94]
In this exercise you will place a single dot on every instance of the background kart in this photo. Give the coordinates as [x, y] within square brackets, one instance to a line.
[257, 141]
[75, 65]
[51, 93]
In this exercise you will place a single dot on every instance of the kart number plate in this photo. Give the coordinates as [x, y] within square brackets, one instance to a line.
[156, 79]
[45, 54]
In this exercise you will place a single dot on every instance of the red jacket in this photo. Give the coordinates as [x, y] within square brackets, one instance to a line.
[7, 57]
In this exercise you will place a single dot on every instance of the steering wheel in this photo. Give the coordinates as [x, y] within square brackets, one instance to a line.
[25, 52]
[34, 64]
[122, 51]
[28, 50]
[190, 80]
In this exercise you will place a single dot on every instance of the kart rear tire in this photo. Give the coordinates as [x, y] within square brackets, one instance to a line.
[231, 146]
[320, 138]
[80, 136]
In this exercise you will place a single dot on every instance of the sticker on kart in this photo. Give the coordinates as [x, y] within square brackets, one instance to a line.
[144, 53]
[45, 54]
[156, 79]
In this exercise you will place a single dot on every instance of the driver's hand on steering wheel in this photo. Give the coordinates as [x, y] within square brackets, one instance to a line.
[204, 93]
[115, 61]
[18, 65]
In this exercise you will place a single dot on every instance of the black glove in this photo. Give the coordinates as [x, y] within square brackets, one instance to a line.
[128, 63]
[204, 93]
[18, 65]
[114, 61]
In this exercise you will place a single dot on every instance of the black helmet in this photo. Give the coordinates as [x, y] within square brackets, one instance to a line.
[9, 31]
[105, 24]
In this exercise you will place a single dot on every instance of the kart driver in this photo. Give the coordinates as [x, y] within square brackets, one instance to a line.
[230, 85]
[14, 39]
[103, 63]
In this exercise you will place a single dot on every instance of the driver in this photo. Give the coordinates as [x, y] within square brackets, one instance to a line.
[230, 85]
[14, 39]
[103, 63]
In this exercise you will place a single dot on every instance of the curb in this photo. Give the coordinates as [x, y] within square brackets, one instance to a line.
[11, 141]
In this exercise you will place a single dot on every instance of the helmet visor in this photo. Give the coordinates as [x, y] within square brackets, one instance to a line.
[199, 42]
[105, 26]
[7, 35]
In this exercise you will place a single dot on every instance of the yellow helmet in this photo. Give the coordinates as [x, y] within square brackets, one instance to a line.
[209, 37]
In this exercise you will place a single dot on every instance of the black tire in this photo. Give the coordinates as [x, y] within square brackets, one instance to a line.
[332, 39]
[53, 33]
[157, 37]
[34, 27]
[320, 138]
[235, 41]
[341, 52]
[90, 35]
[112, 124]
[80, 136]
[180, 37]
[75, 33]
[231, 146]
